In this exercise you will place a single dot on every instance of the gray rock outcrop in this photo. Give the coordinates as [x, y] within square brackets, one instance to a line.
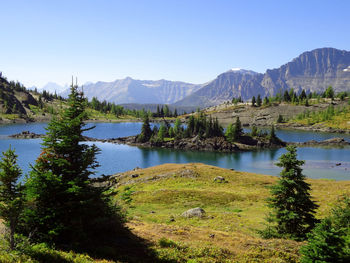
[194, 212]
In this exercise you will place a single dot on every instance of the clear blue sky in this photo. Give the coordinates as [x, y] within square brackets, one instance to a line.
[188, 40]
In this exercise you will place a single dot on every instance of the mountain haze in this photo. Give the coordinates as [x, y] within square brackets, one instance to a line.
[129, 90]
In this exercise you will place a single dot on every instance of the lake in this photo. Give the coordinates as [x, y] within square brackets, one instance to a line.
[320, 162]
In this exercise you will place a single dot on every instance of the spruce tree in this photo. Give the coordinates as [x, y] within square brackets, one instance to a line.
[67, 209]
[229, 134]
[146, 131]
[11, 193]
[253, 101]
[178, 128]
[161, 133]
[238, 131]
[329, 241]
[293, 208]
[258, 101]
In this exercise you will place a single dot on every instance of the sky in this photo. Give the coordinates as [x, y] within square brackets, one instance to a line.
[185, 40]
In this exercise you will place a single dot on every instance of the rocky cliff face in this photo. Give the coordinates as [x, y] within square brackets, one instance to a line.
[129, 90]
[233, 83]
[14, 99]
[313, 71]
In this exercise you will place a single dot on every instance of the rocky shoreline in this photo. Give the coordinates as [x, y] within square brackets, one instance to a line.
[26, 135]
[313, 128]
[333, 142]
[217, 144]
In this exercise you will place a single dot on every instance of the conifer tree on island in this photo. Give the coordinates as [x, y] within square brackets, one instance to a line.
[67, 209]
[11, 193]
[146, 131]
[293, 209]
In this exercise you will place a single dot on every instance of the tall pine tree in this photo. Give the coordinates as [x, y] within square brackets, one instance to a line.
[68, 210]
[11, 193]
[293, 208]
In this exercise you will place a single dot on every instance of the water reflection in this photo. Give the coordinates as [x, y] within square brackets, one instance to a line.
[320, 162]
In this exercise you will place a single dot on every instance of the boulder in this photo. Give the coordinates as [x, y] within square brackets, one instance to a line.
[194, 212]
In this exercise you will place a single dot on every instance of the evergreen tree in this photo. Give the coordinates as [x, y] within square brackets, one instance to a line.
[329, 93]
[158, 111]
[177, 128]
[254, 131]
[293, 209]
[272, 136]
[161, 133]
[146, 131]
[171, 132]
[280, 118]
[68, 210]
[166, 111]
[190, 126]
[329, 241]
[302, 95]
[11, 193]
[307, 102]
[229, 134]
[266, 101]
[238, 131]
[253, 101]
[258, 101]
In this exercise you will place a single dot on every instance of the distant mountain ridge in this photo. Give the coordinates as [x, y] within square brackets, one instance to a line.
[313, 71]
[129, 90]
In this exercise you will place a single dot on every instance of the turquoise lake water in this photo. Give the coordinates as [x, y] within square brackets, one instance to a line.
[320, 162]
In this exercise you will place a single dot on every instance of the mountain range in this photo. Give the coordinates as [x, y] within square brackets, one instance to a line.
[128, 90]
[313, 71]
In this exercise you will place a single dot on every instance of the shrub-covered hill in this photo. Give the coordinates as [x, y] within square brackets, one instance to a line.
[14, 98]
[235, 208]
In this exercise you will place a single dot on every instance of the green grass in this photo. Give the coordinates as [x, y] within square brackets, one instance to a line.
[234, 212]
[333, 118]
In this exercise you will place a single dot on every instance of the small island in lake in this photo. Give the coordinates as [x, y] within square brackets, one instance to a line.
[202, 134]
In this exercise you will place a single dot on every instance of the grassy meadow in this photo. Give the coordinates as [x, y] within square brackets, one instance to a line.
[153, 200]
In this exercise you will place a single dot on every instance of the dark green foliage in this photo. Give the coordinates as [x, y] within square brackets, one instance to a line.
[11, 193]
[162, 133]
[146, 131]
[178, 129]
[302, 95]
[254, 131]
[238, 131]
[229, 134]
[67, 210]
[234, 132]
[266, 101]
[253, 101]
[272, 135]
[237, 100]
[329, 93]
[201, 126]
[280, 118]
[293, 209]
[171, 132]
[258, 101]
[330, 240]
